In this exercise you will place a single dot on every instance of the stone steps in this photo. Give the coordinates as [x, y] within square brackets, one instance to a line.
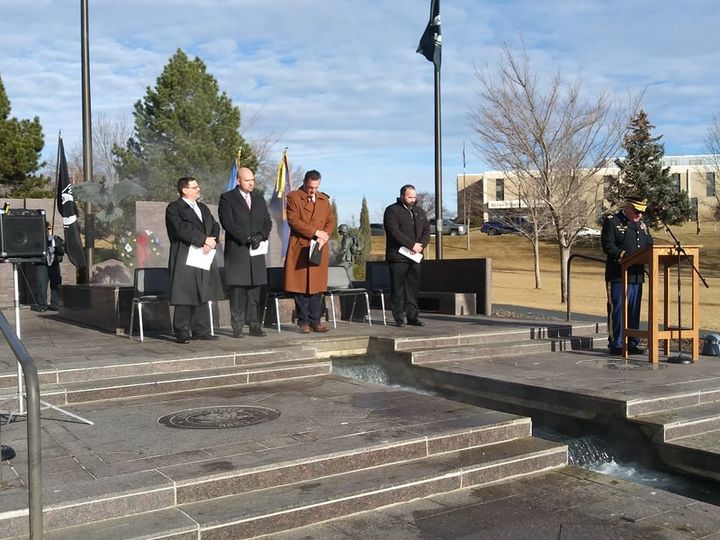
[275, 509]
[503, 335]
[371, 468]
[504, 348]
[683, 422]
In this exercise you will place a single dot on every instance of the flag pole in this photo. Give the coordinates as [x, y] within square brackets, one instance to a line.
[438, 168]
[57, 181]
[87, 136]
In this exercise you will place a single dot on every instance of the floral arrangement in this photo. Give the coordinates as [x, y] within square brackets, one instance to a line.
[140, 249]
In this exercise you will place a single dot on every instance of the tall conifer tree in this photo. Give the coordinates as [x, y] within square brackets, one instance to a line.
[642, 173]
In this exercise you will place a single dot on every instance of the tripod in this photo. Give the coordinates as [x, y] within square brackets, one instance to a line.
[680, 250]
[19, 396]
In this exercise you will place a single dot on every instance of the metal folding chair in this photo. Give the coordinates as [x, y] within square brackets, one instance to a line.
[340, 284]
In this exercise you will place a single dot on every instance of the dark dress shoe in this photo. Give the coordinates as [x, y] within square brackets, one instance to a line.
[183, 340]
[257, 332]
[636, 350]
[237, 333]
[52, 308]
[207, 337]
[416, 322]
[321, 328]
[399, 323]
[616, 351]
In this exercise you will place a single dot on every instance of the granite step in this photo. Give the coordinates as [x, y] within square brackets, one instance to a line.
[276, 509]
[171, 364]
[673, 424]
[164, 487]
[688, 394]
[504, 348]
[181, 381]
[286, 507]
[697, 454]
[504, 335]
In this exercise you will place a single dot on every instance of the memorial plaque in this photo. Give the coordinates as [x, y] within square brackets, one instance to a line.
[225, 417]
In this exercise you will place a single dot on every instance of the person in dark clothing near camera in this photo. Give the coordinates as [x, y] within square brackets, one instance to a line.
[624, 234]
[406, 228]
[48, 272]
[244, 216]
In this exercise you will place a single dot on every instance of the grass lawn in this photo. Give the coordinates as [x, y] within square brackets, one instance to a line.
[513, 274]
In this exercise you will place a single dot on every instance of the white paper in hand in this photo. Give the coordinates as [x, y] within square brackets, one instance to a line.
[262, 249]
[417, 257]
[197, 259]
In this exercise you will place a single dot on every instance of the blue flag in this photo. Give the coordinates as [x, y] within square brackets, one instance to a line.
[233, 172]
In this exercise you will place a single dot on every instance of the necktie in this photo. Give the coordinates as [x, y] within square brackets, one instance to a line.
[247, 200]
[196, 208]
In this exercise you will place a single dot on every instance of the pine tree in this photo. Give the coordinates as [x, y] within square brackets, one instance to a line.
[184, 126]
[642, 173]
[363, 235]
[21, 142]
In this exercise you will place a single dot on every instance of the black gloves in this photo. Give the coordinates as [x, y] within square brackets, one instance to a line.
[254, 240]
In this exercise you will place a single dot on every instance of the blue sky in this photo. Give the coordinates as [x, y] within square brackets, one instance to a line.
[339, 82]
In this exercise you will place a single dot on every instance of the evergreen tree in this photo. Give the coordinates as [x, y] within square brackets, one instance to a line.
[642, 173]
[21, 142]
[363, 235]
[184, 126]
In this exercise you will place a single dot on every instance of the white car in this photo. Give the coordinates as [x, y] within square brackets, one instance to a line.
[588, 232]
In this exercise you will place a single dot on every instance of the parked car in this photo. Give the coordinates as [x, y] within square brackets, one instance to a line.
[509, 226]
[449, 227]
[377, 229]
[589, 232]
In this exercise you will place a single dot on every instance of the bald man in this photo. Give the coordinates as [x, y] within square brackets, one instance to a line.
[244, 216]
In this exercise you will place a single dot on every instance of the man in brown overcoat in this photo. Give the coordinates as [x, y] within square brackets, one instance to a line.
[310, 217]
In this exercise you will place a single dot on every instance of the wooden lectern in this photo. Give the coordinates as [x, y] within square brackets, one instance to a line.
[666, 257]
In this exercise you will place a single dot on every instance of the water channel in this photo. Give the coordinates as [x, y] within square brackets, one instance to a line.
[589, 449]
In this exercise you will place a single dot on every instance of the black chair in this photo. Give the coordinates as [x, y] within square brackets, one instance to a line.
[275, 291]
[340, 284]
[378, 277]
[151, 286]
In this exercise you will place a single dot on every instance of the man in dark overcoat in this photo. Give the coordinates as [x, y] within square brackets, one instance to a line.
[190, 223]
[622, 235]
[406, 226]
[310, 216]
[244, 216]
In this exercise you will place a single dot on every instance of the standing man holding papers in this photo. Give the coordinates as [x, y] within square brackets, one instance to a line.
[407, 234]
[193, 233]
[244, 216]
[311, 221]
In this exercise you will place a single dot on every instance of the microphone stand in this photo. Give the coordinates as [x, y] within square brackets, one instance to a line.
[680, 358]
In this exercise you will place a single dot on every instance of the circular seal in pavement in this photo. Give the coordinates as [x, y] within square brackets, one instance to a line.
[225, 417]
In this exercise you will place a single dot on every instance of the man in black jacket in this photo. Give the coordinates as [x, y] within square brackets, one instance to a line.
[48, 272]
[406, 229]
[191, 226]
[244, 216]
[623, 234]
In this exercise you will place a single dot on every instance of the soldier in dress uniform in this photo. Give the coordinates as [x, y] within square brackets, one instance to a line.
[623, 234]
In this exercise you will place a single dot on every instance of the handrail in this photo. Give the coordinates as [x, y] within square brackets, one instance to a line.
[32, 388]
[580, 256]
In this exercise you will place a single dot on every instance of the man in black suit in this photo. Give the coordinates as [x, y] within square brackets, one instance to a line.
[406, 228]
[190, 225]
[244, 216]
[48, 273]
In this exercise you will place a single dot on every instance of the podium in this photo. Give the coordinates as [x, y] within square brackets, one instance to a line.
[657, 258]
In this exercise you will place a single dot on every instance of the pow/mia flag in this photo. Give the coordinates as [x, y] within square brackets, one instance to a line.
[66, 207]
[431, 41]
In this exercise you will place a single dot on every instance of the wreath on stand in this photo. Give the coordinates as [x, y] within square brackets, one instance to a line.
[139, 249]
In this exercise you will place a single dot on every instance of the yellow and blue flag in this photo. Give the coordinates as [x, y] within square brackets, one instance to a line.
[233, 172]
[278, 208]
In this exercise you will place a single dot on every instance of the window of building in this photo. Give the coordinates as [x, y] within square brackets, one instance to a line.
[499, 189]
[675, 177]
[710, 184]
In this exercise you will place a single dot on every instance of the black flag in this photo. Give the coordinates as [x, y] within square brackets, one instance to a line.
[66, 207]
[431, 41]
